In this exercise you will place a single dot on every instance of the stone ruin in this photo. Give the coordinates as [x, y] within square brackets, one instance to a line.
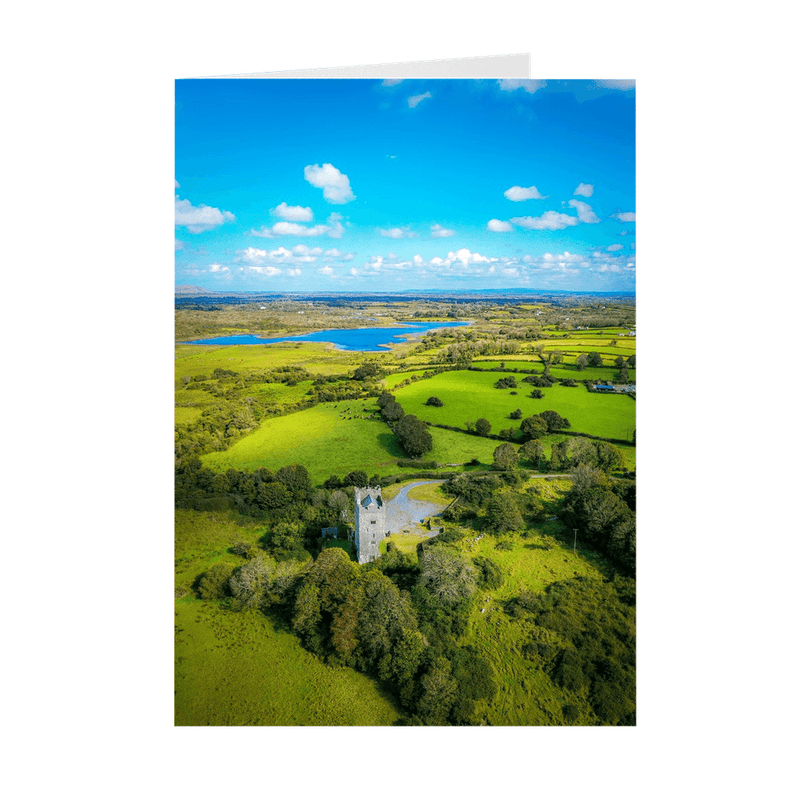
[370, 523]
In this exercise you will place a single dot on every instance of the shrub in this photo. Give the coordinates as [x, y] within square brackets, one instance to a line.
[490, 576]
[434, 401]
[244, 549]
[213, 585]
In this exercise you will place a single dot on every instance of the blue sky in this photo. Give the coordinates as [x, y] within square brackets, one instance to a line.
[370, 185]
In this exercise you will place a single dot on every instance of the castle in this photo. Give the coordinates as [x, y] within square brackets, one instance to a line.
[370, 527]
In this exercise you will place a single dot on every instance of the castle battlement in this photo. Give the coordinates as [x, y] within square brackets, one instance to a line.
[370, 522]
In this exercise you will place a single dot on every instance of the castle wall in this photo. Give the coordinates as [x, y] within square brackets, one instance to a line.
[370, 522]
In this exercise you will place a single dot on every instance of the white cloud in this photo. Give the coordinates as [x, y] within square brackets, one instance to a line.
[466, 257]
[398, 233]
[549, 221]
[612, 247]
[414, 101]
[512, 84]
[510, 272]
[391, 81]
[438, 232]
[294, 273]
[334, 229]
[622, 85]
[338, 255]
[498, 226]
[585, 189]
[292, 213]
[325, 270]
[585, 213]
[199, 218]
[179, 244]
[177, 185]
[625, 216]
[633, 245]
[517, 193]
[270, 272]
[419, 260]
[217, 268]
[252, 255]
[335, 185]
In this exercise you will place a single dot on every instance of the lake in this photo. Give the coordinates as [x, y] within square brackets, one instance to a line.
[371, 340]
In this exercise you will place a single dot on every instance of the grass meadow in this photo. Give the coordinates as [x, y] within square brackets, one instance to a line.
[240, 668]
[317, 357]
[470, 395]
[235, 668]
[336, 438]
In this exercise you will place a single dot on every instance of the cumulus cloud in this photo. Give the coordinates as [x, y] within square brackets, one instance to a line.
[335, 185]
[512, 84]
[466, 257]
[612, 247]
[292, 213]
[625, 216]
[585, 213]
[325, 270]
[294, 272]
[498, 226]
[333, 229]
[585, 189]
[439, 232]
[398, 233]
[217, 268]
[199, 218]
[549, 221]
[517, 193]
[414, 101]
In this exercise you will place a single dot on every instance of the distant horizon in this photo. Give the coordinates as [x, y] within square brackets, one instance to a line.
[286, 185]
[499, 290]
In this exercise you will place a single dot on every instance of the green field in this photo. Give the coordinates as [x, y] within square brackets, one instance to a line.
[470, 395]
[238, 668]
[316, 357]
[336, 438]
[565, 371]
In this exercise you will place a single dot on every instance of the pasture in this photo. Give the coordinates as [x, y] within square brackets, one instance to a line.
[470, 395]
[317, 357]
[337, 438]
[239, 668]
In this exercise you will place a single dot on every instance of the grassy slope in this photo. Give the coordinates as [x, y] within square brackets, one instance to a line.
[237, 668]
[470, 395]
[327, 442]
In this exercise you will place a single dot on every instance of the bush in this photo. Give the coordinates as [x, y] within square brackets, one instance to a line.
[213, 585]
[490, 576]
[434, 401]
[244, 549]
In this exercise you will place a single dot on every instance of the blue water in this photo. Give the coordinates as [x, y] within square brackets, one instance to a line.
[371, 340]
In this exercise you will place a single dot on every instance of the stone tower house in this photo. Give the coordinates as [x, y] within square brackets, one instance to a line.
[370, 528]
